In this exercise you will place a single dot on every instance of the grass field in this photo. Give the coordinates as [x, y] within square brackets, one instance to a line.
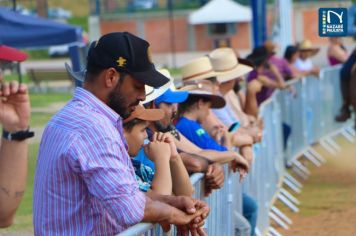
[46, 99]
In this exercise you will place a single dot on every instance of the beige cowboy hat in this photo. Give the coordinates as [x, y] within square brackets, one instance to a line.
[197, 69]
[227, 65]
[205, 91]
[306, 45]
[152, 93]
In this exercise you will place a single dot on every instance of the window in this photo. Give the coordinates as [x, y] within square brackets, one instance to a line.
[222, 29]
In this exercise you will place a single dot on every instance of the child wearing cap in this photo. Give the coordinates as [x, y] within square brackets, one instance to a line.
[168, 174]
[192, 112]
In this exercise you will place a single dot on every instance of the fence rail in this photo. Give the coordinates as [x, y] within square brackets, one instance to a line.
[309, 114]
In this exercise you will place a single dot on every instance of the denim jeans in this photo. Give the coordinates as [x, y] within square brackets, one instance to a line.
[250, 211]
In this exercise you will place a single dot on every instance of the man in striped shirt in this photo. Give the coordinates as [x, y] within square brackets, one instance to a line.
[84, 183]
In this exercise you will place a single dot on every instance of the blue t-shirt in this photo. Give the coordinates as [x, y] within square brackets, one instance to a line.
[143, 158]
[144, 170]
[144, 175]
[193, 131]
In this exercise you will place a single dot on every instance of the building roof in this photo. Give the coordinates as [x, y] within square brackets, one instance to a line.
[221, 11]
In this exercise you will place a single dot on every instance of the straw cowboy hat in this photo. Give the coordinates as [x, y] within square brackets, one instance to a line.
[203, 90]
[198, 69]
[152, 93]
[306, 45]
[227, 65]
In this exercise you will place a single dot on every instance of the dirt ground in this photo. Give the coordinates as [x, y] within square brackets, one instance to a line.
[328, 198]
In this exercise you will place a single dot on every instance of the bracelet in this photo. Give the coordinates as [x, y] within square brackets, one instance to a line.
[18, 136]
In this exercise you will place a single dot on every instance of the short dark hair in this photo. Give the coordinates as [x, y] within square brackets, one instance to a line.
[94, 70]
[189, 103]
[213, 79]
[132, 123]
[237, 87]
[290, 51]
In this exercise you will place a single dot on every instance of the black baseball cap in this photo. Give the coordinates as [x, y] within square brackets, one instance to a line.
[126, 53]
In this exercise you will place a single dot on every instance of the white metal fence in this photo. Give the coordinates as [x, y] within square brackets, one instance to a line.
[310, 115]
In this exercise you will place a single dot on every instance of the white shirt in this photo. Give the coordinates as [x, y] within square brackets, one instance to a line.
[303, 65]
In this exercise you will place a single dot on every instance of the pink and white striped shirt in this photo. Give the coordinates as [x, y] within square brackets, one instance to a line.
[85, 183]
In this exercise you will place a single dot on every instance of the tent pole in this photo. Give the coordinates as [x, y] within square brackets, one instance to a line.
[18, 68]
[259, 21]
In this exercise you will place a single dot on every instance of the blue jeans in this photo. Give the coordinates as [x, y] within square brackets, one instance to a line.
[249, 211]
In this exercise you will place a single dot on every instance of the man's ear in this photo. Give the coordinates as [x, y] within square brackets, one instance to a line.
[200, 103]
[111, 78]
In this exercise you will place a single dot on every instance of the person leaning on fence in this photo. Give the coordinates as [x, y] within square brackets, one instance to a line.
[259, 57]
[280, 63]
[304, 62]
[85, 182]
[169, 176]
[192, 112]
[14, 119]
[291, 55]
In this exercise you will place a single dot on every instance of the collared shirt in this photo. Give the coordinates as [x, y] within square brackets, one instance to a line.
[193, 131]
[85, 182]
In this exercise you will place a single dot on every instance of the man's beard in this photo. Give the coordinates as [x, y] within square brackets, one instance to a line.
[165, 128]
[118, 103]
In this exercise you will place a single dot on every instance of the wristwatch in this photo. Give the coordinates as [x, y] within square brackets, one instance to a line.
[18, 136]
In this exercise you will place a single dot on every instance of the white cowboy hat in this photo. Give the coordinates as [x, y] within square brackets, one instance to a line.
[198, 69]
[227, 65]
[152, 93]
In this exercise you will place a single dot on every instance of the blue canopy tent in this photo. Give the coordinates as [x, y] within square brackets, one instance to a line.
[22, 31]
